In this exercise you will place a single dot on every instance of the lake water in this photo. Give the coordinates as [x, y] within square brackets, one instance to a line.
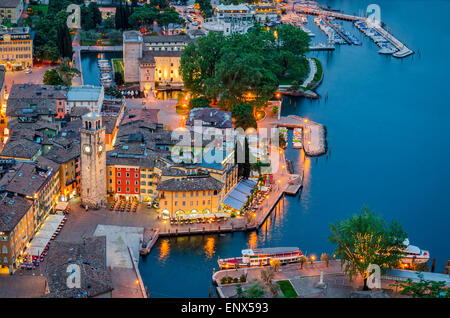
[389, 147]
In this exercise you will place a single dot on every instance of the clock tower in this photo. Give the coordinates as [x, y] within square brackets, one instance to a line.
[93, 161]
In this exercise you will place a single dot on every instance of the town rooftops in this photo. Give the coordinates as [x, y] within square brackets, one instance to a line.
[24, 179]
[9, 3]
[36, 91]
[90, 256]
[146, 115]
[64, 154]
[85, 93]
[180, 38]
[211, 117]
[20, 148]
[79, 111]
[194, 183]
[12, 210]
[17, 107]
[109, 122]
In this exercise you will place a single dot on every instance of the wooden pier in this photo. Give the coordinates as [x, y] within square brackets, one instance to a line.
[150, 238]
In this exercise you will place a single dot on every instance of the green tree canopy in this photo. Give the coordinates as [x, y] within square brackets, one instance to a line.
[244, 117]
[241, 68]
[366, 239]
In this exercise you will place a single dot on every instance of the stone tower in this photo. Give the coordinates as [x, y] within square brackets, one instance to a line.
[93, 161]
[132, 52]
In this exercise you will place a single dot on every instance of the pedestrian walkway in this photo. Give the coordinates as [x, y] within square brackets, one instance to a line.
[312, 72]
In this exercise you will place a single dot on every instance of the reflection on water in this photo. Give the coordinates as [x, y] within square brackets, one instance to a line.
[210, 247]
[164, 251]
[252, 240]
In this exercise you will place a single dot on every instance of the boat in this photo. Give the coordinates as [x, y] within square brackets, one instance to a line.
[297, 138]
[283, 132]
[262, 257]
[413, 254]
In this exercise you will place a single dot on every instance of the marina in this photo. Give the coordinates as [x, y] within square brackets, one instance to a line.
[105, 71]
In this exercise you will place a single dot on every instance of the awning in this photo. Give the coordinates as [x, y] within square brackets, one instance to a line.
[43, 236]
[234, 203]
[221, 215]
[61, 206]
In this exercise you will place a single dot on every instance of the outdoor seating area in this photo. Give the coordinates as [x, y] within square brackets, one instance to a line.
[123, 205]
[40, 244]
[199, 218]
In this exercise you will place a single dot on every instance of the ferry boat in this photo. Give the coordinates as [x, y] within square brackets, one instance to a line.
[261, 257]
[413, 254]
[297, 138]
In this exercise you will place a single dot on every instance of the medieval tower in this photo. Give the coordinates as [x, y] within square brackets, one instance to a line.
[93, 161]
[132, 53]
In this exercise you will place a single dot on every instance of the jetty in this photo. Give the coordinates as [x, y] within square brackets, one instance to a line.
[402, 49]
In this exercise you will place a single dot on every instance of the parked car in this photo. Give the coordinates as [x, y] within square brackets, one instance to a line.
[28, 71]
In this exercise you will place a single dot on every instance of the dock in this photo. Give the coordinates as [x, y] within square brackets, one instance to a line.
[150, 238]
[403, 50]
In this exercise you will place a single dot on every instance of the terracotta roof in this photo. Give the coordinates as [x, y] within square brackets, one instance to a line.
[90, 256]
[12, 210]
[211, 117]
[30, 107]
[36, 91]
[64, 154]
[25, 179]
[20, 148]
[166, 38]
[194, 183]
[148, 56]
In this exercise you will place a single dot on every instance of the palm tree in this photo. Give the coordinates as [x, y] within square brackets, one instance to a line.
[276, 265]
[267, 276]
[324, 258]
[302, 260]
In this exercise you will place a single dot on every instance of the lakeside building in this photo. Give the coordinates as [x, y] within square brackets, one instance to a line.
[193, 194]
[10, 10]
[28, 192]
[153, 61]
[16, 47]
[229, 19]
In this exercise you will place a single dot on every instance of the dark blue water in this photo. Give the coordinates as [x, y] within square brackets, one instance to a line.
[89, 65]
[389, 140]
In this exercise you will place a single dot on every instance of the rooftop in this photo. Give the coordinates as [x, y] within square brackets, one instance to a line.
[194, 183]
[211, 117]
[36, 91]
[90, 256]
[24, 179]
[12, 210]
[180, 38]
[17, 107]
[148, 56]
[9, 3]
[84, 93]
[20, 148]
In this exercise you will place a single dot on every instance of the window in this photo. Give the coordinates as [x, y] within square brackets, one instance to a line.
[128, 175]
[118, 181]
[119, 190]
[184, 203]
[176, 203]
[142, 190]
[136, 190]
[118, 174]
[143, 183]
[128, 190]
[5, 250]
[136, 175]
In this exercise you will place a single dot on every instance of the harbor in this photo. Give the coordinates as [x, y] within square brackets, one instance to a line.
[388, 43]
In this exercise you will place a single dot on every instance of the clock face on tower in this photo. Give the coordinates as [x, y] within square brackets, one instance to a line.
[87, 149]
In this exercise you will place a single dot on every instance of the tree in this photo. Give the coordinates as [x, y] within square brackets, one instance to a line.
[324, 258]
[267, 276]
[282, 141]
[244, 117]
[198, 102]
[66, 72]
[276, 264]
[302, 260]
[205, 7]
[366, 239]
[64, 42]
[424, 288]
[254, 290]
[51, 77]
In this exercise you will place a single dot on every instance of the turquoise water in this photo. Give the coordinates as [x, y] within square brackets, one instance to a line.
[389, 140]
[89, 65]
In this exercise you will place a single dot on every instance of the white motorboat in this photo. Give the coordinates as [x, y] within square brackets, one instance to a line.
[413, 254]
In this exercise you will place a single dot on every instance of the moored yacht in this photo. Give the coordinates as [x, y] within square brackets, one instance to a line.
[413, 254]
[261, 257]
